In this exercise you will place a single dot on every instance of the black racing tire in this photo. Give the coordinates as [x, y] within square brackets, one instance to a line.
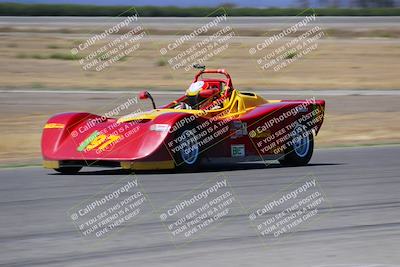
[299, 153]
[68, 170]
[187, 158]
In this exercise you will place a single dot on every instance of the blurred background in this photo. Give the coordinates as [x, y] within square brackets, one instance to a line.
[232, 3]
[355, 66]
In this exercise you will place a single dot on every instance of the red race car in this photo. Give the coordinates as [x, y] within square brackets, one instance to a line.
[211, 122]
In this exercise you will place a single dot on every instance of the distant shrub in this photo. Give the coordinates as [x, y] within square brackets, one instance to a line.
[53, 46]
[161, 62]
[38, 56]
[290, 55]
[61, 56]
[64, 56]
[21, 55]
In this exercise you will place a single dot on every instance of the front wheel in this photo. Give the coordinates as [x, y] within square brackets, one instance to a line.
[301, 148]
[188, 156]
[68, 170]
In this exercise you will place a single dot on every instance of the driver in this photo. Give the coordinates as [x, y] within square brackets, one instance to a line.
[200, 95]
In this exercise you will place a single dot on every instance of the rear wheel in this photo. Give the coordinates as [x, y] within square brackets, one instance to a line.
[301, 149]
[68, 170]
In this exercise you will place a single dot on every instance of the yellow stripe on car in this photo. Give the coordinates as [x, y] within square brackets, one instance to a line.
[148, 165]
[54, 126]
[51, 164]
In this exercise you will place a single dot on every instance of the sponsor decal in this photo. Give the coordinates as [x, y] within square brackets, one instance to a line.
[99, 141]
[87, 141]
[237, 151]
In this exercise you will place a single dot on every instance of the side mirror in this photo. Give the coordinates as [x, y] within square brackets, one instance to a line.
[146, 95]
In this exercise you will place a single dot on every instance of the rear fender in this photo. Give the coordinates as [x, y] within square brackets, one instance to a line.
[270, 125]
[62, 126]
[267, 112]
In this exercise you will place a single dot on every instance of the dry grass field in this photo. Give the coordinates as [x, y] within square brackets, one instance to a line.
[32, 60]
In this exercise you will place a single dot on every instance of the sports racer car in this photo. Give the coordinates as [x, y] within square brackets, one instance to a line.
[211, 122]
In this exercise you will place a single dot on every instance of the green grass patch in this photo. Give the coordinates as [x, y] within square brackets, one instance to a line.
[59, 56]
[37, 85]
[53, 46]
[64, 56]
[161, 62]
[38, 56]
[21, 55]
[290, 55]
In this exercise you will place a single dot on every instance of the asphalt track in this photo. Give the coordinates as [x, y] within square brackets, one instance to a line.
[358, 226]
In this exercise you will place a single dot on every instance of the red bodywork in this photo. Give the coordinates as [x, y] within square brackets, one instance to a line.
[139, 142]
